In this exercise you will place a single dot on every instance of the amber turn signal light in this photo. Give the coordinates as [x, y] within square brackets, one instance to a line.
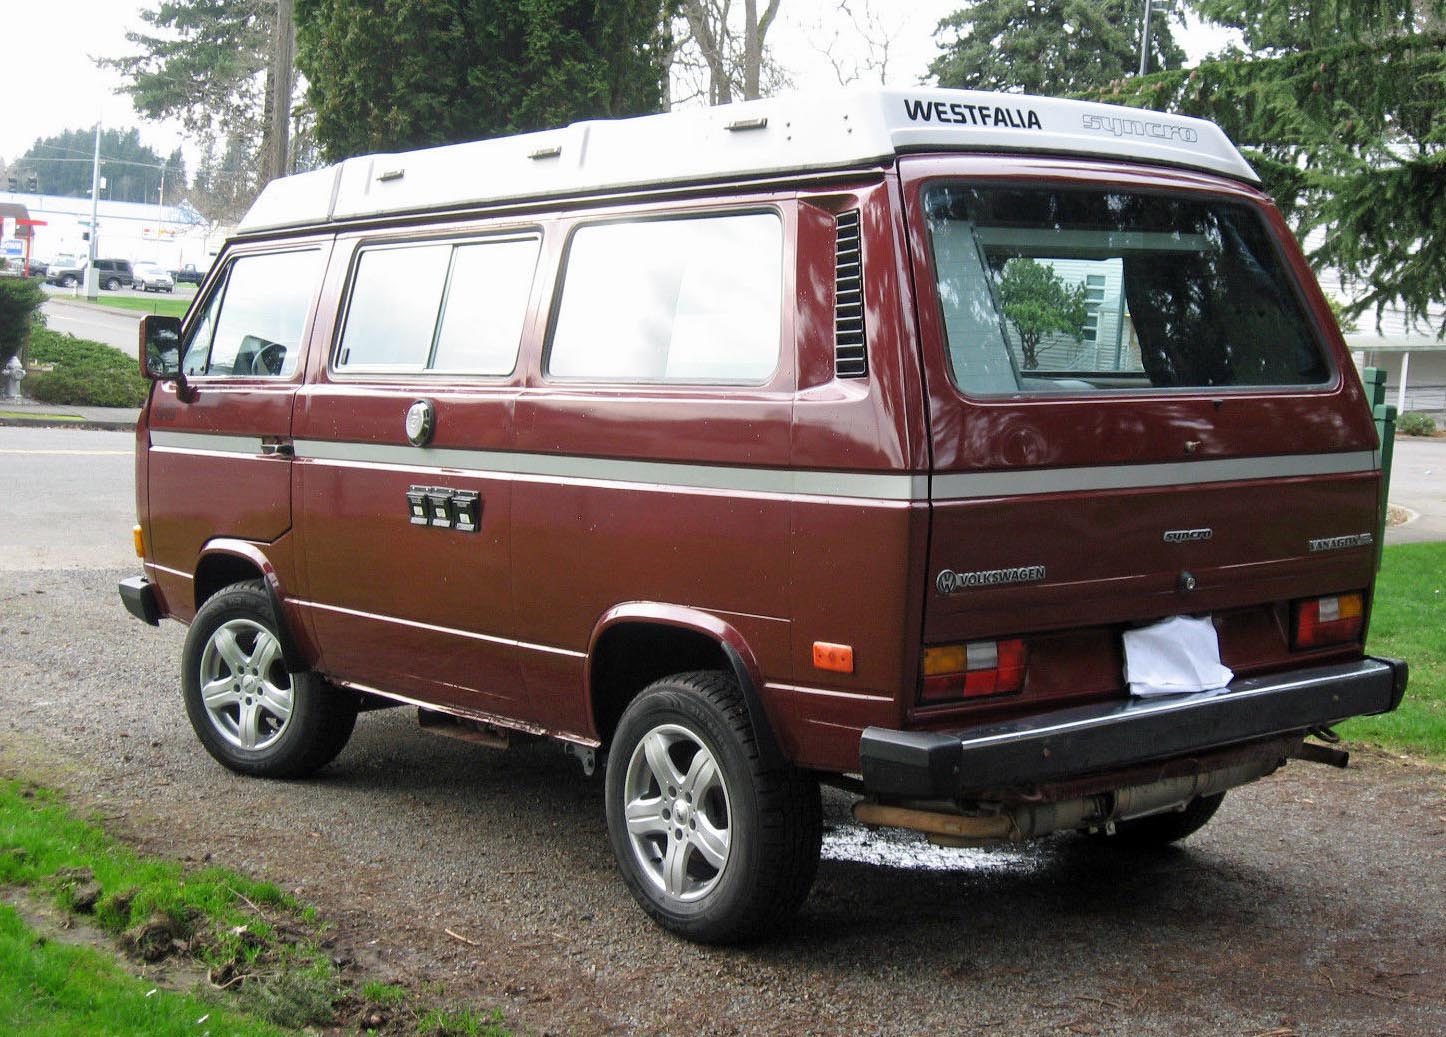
[140, 541]
[832, 657]
[1329, 621]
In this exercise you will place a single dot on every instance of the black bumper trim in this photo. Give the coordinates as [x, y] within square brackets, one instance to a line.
[1111, 735]
[139, 596]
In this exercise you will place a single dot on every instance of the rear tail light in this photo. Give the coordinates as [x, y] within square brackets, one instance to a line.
[1329, 621]
[972, 670]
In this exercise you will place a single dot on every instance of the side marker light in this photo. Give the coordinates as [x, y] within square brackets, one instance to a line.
[833, 658]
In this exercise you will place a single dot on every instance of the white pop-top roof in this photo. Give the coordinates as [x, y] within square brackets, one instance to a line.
[793, 133]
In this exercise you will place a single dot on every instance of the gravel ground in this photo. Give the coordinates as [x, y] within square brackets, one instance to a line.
[1313, 904]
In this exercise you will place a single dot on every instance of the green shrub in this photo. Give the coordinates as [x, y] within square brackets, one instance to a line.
[1414, 423]
[86, 373]
[20, 302]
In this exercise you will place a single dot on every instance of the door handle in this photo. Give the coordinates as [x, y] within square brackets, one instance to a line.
[277, 448]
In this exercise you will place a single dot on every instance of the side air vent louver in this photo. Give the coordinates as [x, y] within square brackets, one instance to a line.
[850, 356]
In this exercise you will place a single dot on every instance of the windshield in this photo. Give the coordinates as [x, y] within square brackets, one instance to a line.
[1079, 291]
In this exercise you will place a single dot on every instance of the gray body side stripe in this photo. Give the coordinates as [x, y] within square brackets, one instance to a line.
[206, 442]
[777, 481]
[965, 486]
[888, 486]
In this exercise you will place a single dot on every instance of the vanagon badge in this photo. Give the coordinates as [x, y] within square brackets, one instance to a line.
[1186, 536]
[1340, 543]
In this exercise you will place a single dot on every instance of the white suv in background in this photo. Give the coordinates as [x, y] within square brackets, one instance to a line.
[147, 277]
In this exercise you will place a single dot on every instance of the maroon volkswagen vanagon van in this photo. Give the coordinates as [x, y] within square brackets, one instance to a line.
[993, 458]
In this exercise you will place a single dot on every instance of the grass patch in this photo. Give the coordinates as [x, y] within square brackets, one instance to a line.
[5, 414]
[256, 943]
[50, 988]
[249, 935]
[461, 1024]
[164, 305]
[1408, 622]
[86, 373]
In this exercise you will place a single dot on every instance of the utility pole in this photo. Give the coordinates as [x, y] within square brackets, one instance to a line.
[92, 279]
[1145, 39]
[282, 76]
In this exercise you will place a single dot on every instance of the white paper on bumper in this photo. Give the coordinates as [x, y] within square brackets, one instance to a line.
[1173, 657]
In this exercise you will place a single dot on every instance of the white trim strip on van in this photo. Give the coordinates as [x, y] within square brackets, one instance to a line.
[971, 486]
[773, 481]
[785, 482]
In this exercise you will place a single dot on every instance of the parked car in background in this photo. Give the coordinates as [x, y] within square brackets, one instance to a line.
[36, 267]
[65, 272]
[111, 274]
[147, 277]
[188, 274]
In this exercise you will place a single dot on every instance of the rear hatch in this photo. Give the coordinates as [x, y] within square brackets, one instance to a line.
[1140, 407]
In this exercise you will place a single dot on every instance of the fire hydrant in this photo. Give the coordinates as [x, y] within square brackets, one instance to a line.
[14, 371]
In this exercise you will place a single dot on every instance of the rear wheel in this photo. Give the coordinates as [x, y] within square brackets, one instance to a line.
[1162, 829]
[249, 712]
[715, 846]
[112, 285]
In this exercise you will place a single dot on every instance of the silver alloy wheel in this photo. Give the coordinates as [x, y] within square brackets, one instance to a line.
[244, 685]
[679, 822]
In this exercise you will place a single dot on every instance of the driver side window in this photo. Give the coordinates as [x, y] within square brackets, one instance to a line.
[253, 321]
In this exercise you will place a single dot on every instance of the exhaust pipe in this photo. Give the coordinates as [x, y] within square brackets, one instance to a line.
[1016, 822]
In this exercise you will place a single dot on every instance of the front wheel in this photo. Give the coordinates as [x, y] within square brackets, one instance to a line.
[715, 846]
[249, 712]
[112, 285]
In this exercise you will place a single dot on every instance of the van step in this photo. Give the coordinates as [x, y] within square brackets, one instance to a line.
[460, 727]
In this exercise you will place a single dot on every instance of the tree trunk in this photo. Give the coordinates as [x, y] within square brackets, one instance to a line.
[713, 46]
[754, 31]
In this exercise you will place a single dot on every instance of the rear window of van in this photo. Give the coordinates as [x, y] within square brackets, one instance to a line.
[1081, 291]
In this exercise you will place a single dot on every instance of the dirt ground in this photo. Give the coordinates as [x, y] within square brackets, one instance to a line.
[1313, 904]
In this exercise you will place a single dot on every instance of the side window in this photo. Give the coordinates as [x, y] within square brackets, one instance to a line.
[453, 306]
[252, 324]
[695, 300]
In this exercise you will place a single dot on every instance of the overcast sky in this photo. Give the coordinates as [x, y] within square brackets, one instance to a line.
[53, 83]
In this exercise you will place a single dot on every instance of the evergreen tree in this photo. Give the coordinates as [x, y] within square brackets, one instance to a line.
[1048, 46]
[208, 64]
[398, 74]
[62, 165]
[1341, 107]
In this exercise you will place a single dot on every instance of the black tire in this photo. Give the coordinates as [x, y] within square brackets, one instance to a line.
[1157, 830]
[68, 282]
[232, 631]
[112, 285]
[771, 821]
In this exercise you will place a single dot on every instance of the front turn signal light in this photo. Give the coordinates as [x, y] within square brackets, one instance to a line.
[140, 541]
[1329, 621]
[973, 670]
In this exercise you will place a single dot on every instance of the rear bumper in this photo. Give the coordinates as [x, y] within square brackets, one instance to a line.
[1113, 735]
[139, 596]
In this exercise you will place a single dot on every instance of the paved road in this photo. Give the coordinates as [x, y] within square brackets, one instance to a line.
[1418, 482]
[1313, 905]
[68, 500]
